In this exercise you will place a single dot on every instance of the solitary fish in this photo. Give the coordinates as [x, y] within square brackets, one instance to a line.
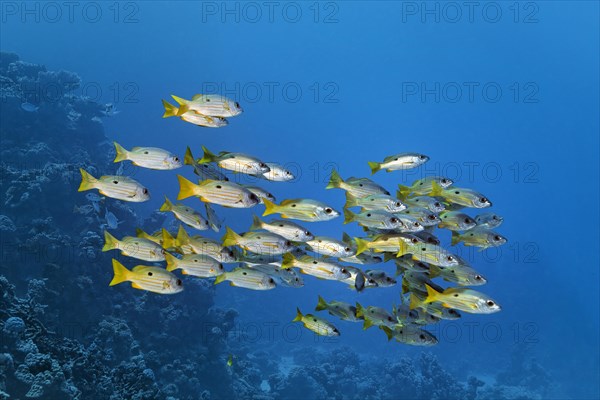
[301, 209]
[400, 161]
[148, 157]
[116, 187]
[152, 279]
[212, 105]
[318, 325]
[227, 194]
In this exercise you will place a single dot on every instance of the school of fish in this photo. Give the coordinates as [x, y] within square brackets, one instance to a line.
[399, 232]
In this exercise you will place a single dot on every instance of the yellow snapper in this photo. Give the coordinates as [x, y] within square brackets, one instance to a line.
[260, 193]
[148, 157]
[327, 246]
[152, 279]
[204, 171]
[381, 202]
[318, 325]
[461, 196]
[226, 194]
[301, 209]
[115, 186]
[460, 298]
[198, 245]
[456, 221]
[462, 275]
[423, 186]
[287, 229]
[409, 334]
[193, 117]
[199, 265]
[185, 214]
[258, 242]
[373, 219]
[156, 237]
[399, 161]
[382, 243]
[286, 277]
[431, 203]
[423, 215]
[213, 105]
[316, 267]
[358, 187]
[433, 254]
[276, 173]
[135, 247]
[478, 237]
[236, 162]
[247, 278]
[375, 316]
[344, 311]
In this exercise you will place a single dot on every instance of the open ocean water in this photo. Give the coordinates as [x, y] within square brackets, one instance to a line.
[502, 97]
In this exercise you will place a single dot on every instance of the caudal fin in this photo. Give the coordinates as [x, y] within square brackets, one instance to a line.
[348, 216]
[321, 304]
[455, 238]
[167, 206]
[207, 157]
[170, 109]
[360, 311]
[256, 223]
[335, 180]
[431, 294]
[436, 190]
[182, 237]
[298, 315]
[388, 331]
[231, 238]
[87, 181]
[375, 166]
[287, 261]
[361, 245]
[121, 273]
[350, 201]
[183, 105]
[172, 262]
[121, 153]
[110, 242]
[270, 207]
[221, 278]
[187, 188]
[403, 192]
[168, 241]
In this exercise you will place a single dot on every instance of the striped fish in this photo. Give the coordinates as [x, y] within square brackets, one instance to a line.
[193, 117]
[198, 245]
[258, 242]
[199, 265]
[135, 247]
[185, 214]
[152, 279]
[327, 246]
[316, 324]
[318, 268]
[247, 278]
[148, 157]
[236, 162]
[114, 186]
[212, 105]
[301, 209]
[226, 194]
[204, 171]
[287, 229]
[358, 187]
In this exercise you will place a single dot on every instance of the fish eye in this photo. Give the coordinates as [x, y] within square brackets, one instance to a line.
[394, 220]
[178, 282]
[296, 279]
[390, 319]
[162, 251]
[468, 220]
[398, 204]
[244, 273]
[288, 173]
[307, 233]
[176, 159]
[422, 157]
[145, 191]
[478, 277]
[149, 273]
[415, 240]
[497, 238]
[483, 200]
[208, 100]
[450, 258]
[328, 210]
[416, 224]
[288, 243]
[253, 197]
[431, 217]
[490, 303]
[344, 270]
[347, 249]
[271, 280]
[451, 312]
[494, 217]
[263, 165]
[237, 105]
[444, 180]
[422, 337]
[437, 204]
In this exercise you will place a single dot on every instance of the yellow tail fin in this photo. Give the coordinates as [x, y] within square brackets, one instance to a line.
[403, 192]
[207, 157]
[375, 166]
[287, 261]
[298, 315]
[335, 181]
[256, 223]
[348, 216]
[415, 302]
[87, 181]
[172, 262]
[221, 278]
[455, 238]
[321, 304]
[168, 241]
[270, 207]
[182, 237]
[170, 109]
[402, 249]
[121, 153]
[110, 242]
[361, 245]
[189, 159]
[121, 273]
[432, 294]
[350, 201]
[387, 331]
[167, 206]
[186, 188]
[183, 105]
[231, 238]
[436, 190]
